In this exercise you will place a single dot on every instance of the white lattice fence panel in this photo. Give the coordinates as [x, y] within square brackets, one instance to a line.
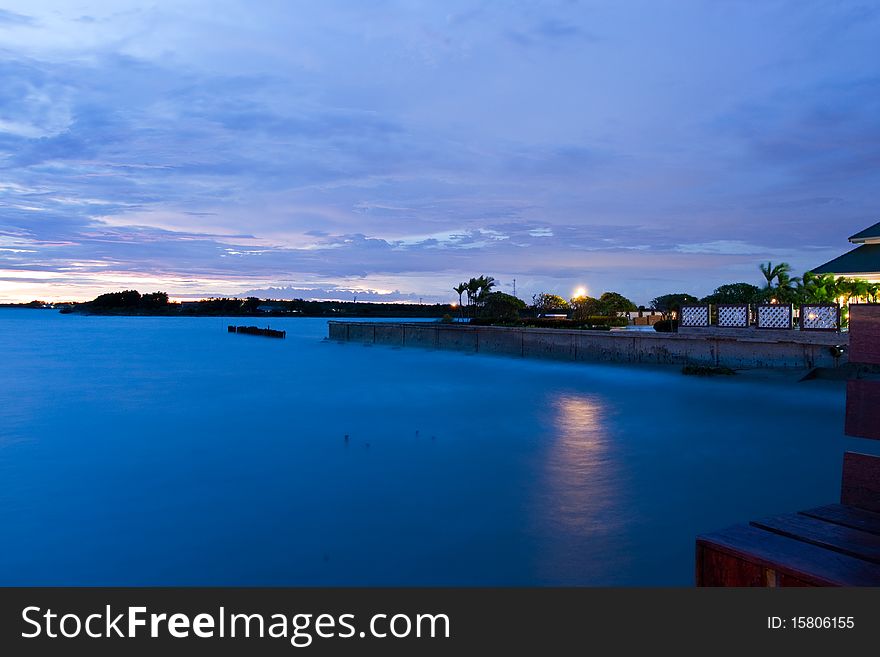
[694, 316]
[733, 316]
[820, 317]
[774, 316]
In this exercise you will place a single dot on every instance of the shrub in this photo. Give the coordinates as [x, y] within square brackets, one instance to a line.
[606, 320]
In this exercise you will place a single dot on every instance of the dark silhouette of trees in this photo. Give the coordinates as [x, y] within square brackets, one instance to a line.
[501, 307]
[155, 300]
[128, 300]
[668, 303]
[546, 302]
[734, 293]
[611, 303]
[584, 307]
[477, 289]
[461, 288]
[115, 300]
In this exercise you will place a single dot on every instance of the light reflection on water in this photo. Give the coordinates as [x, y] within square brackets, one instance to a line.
[578, 473]
[575, 500]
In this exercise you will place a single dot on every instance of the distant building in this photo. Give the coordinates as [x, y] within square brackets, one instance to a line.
[862, 262]
[647, 317]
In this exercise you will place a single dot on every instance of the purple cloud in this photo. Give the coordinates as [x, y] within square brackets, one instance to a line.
[395, 148]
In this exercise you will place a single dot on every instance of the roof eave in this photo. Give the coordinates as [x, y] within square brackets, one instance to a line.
[871, 235]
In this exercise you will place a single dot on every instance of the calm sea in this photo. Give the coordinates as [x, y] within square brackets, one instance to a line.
[149, 451]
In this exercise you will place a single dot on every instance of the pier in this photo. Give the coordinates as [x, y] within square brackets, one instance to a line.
[736, 349]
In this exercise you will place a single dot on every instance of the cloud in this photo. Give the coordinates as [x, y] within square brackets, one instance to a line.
[799, 203]
[216, 147]
[13, 18]
[337, 294]
[728, 247]
[549, 31]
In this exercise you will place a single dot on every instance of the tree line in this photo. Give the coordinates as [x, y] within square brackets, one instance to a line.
[132, 302]
[780, 287]
[479, 302]
[609, 304]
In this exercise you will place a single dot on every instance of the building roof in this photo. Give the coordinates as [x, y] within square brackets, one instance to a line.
[870, 235]
[862, 260]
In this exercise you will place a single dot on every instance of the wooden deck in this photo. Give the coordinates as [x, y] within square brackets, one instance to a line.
[833, 545]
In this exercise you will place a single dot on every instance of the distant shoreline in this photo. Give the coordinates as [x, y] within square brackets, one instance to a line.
[213, 308]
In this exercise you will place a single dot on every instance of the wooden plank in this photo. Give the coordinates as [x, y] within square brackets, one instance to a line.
[864, 333]
[787, 581]
[860, 484]
[863, 408]
[718, 568]
[847, 516]
[845, 540]
[805, 562]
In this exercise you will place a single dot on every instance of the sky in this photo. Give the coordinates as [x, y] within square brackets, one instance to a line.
[394, 148]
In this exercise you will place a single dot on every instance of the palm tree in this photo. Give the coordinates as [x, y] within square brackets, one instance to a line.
[819, 288]
[852, 289]
[784, 280]
[476, 290]
[461, 288]
[849, 289]
[768, 272]
[486, 283]
[788, 288]
[473, 291]
[780, 273]
[860, 289]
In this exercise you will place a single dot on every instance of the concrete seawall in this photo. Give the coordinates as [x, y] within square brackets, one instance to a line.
[743, 348]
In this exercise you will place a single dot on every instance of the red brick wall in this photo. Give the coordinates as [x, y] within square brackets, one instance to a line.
[863, 408]
[864, 333]
[861, 481]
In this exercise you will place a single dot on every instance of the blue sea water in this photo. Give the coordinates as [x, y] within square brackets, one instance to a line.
[164, 451]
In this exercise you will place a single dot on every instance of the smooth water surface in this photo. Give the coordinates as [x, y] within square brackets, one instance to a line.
[148, 451]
